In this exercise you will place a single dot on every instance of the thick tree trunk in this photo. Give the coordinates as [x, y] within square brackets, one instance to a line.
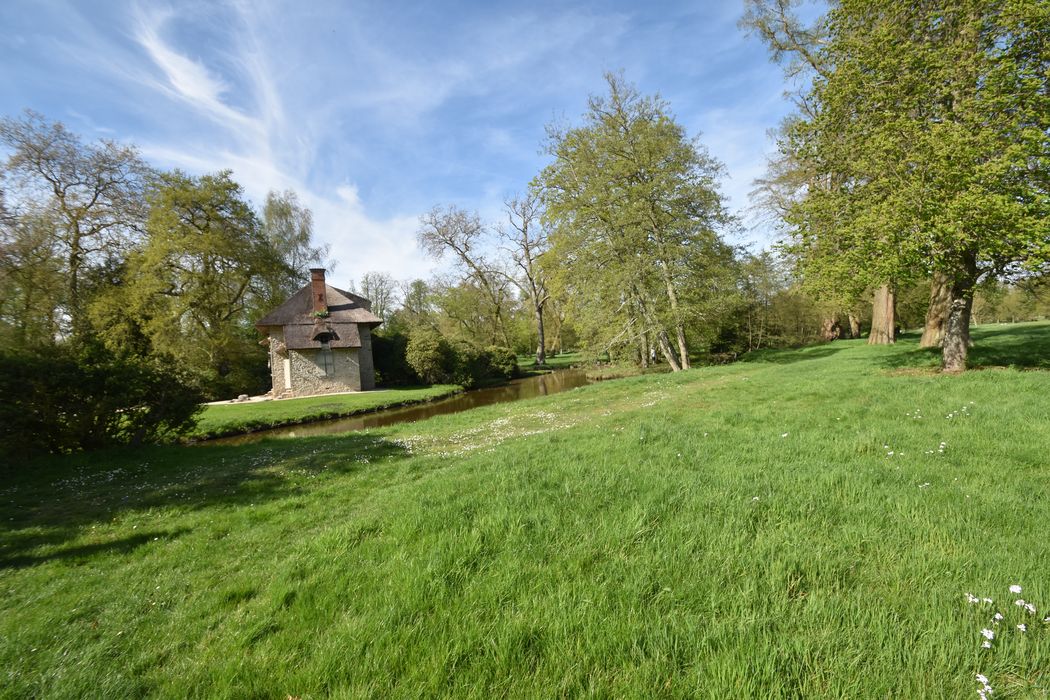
[956, 344]
[830, 328]
[679, 327]
[884, 317]
[661, 333]
[937, 314]
[854, 326]
[665, 348]
[683, 352]
[643, 351]
[541, 347]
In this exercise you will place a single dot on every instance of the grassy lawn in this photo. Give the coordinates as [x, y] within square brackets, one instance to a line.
[232, 419]
[806, 524]
[560, 361]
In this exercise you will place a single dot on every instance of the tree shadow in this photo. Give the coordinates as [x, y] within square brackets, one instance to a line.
[81, 552]
[786, 357]
[1019, 346]
[47, 502]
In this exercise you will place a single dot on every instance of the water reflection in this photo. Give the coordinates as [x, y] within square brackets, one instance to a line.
[530, 387]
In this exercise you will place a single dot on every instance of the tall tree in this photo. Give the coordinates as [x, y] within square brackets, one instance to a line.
[288, 227]
[829, 265]
[938, 117]
[526, 242]
[199, 275]
[93, 195]
[381, 289]
[633, 205]
[460, 234]
[31, 279]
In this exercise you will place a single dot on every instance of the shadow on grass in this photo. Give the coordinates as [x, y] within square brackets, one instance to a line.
[1019, 346]
[1022, 346]
[48, 502]
[81, 552]
[786, 357]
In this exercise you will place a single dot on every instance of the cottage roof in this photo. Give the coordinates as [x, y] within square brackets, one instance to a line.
[343, 308]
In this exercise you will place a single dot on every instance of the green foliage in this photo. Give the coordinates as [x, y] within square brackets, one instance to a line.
[926, 138]
[68, 207]
[431, 357]
[633, 206]
[198, 281]
[503, 362]
[59, 399]
[440, 361]
[734, 531]
[390, 358]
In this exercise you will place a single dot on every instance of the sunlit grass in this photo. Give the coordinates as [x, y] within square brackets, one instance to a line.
[233, 418]
[808, 524]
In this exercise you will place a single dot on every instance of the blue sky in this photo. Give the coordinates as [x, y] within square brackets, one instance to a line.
[376, 111]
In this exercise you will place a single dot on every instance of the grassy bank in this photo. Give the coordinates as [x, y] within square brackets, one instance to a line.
[233, 419]
[804, 525]
[564, 360]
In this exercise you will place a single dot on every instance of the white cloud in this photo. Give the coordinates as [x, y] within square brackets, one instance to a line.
[264, 154]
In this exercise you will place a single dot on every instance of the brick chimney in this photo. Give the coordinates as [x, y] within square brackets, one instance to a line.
[317, 290]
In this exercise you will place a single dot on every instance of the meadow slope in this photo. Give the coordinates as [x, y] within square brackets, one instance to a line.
[806, 524]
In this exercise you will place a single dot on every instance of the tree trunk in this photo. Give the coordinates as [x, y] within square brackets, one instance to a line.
[854, 326]
[679, 327]
[956, 344]
[665, 348]
[884, 317]
[830, 328]
[937, 315]
[541, 348]
[661, 333]
[643, 349]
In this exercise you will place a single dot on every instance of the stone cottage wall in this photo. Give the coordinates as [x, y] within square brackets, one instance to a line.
[308, 376]
[368, 372]
[277, 357]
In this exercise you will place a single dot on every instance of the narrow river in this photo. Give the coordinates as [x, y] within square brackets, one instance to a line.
[530, 387]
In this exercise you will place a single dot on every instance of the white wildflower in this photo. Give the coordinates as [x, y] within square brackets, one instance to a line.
[1030, 608]
[1019, 602]
[1023, 627]
[972, 599]
[1015, 588]
[983, 680]
[988, 634]
[987, 645]
[784, 435]
[986, 600]
[997, 617]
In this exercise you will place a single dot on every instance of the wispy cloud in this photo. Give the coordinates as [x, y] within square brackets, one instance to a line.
[374, 112]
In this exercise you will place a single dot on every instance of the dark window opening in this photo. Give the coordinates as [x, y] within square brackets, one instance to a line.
[325, 359]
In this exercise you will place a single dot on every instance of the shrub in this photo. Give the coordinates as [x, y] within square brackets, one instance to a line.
[60, 400]
[503, 362]
[438, 361]
[389, 354]
[431, 357]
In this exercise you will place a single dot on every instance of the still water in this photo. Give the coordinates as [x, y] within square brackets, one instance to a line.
[530, 387]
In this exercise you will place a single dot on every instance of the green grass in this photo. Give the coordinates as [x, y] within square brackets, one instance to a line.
[732, 531]
[233, 419]
[560, 361]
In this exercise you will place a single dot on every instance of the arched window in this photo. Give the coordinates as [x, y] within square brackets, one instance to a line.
[325, 359]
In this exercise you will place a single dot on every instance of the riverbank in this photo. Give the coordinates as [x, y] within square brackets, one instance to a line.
[805, 524]
[221, 420]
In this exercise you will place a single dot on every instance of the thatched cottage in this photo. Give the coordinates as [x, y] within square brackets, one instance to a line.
[320, 341]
